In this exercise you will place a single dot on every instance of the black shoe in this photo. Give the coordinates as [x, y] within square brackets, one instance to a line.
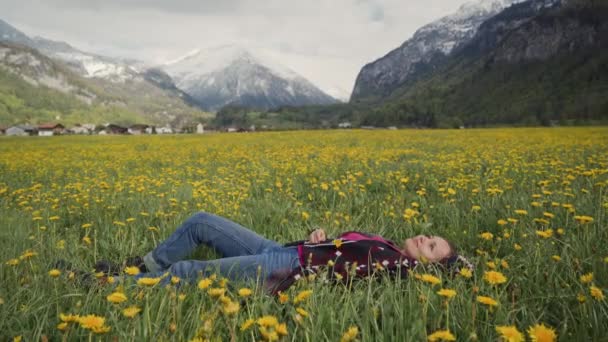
[138, 262]
[83, 278]
[110, 268]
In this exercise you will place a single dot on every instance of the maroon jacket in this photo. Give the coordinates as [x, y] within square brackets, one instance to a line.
[352, 254]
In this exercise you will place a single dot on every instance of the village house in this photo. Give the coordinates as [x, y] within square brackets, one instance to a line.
[345, 125]
[79, 129]
[200, 128]
[21, 130]
[49, 129]
[138, 129]
[164, 130]
[115, 129]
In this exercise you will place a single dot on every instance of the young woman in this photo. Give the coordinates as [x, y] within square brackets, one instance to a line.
[248, 256]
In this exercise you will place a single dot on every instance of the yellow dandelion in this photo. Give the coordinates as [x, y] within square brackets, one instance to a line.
[116, 297]
[587, 278]
[521, 212]
[556, 258]
[350, 334]
[230, 308]
[245, 292]
[91, 321]
[131, 311]
[248, 323]
[510, 333]
[486, 236]
[54, 273]
[281, 329]
[174, 280]
[267, 321]
[204, 283]
[596, 293]
[302, 312]
[337, 243]
[545, 233]
[465, 272]
[489, 301]
[494, 277]
[429, 278]
[283, 298]
[542, 333]
[448, 293]
[302, 296]
[441, 335]
[145, 281]
[216, 291]
[63, 326]
[132, 270]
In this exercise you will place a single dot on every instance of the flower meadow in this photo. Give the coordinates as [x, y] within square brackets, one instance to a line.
[527, 206]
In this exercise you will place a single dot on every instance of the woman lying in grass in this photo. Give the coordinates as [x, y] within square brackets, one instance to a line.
[247, 256]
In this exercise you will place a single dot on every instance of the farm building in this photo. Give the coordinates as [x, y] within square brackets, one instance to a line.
[21, 130]
[49, 129]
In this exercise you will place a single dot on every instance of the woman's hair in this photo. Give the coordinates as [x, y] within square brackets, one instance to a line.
[454, 262]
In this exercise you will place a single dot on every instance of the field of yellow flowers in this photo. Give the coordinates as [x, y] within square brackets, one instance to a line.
[528, 206]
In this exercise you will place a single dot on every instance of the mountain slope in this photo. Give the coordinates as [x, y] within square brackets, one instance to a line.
[533, 63]
[110, 83]
[424, 51]
[36, 88]
[231, 75]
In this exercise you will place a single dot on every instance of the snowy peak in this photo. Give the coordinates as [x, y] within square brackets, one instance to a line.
[235, 75]
[210, 60]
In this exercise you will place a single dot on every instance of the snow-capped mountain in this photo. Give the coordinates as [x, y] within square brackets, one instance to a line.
[430, 43]
[87, 64]
[234, 75]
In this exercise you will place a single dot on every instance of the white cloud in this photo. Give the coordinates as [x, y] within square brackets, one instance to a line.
[327, 41]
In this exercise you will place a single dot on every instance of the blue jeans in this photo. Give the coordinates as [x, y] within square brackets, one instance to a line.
[245, 255]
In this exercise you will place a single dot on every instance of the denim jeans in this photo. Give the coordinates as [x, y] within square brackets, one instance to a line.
[245, 255]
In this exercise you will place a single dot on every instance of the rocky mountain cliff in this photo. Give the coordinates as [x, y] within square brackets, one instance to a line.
[535, 62]
[232, 75]
[425, 50]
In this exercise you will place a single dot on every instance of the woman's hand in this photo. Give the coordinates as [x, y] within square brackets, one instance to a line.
[317, 236]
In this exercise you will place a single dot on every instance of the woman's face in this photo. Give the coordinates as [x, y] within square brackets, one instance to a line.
[427, 248]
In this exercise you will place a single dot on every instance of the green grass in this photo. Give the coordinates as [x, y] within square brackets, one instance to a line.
[50, 187]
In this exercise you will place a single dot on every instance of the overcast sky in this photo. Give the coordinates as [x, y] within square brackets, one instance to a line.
[327, 41]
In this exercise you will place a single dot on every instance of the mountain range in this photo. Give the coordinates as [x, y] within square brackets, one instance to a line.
[176, 92]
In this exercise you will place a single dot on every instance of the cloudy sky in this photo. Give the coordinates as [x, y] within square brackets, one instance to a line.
[327, 41]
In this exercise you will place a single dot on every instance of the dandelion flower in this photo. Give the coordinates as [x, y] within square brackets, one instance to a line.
[54, 273]
[148, 281]
[248, 323]
[542, 333]
[494, 277]
[448, 293]
[216, 291]
[132, 270]
[231, 308]
[489, 301]
[350, 334]
[337, 243]
[267, 321]
[245, 292]
[302, 312]
[283, 298]
[91, 321]
[63, 326]
[596, 293]
[587, 278]
[441, 335]
[510, 333]
[486, 236]
[302, 296]
[465, 272]
[281, 329]
[204, 283]
[117, 297]
[431, 279]
[131, 311]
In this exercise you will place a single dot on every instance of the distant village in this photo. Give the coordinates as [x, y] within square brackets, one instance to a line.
[50, 129]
